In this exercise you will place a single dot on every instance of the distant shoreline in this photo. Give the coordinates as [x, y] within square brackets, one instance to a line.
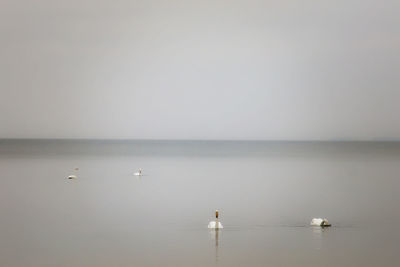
[191, 140]
[196, 148]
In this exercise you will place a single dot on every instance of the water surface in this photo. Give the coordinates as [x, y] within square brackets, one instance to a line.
[267, 192]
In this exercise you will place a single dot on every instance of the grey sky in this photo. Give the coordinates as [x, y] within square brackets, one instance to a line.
[200, 69]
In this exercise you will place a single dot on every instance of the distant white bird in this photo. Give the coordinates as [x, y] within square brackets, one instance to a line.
[320, 222]
[73, 176]
[138, 173]
[215, 224]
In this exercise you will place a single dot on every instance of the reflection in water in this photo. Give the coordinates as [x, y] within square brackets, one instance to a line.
[215, 235]
[318, 235]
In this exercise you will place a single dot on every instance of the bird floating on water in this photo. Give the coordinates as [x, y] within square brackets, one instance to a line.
[139, 172]
[320, 222]
[73, 176]
[215, 224]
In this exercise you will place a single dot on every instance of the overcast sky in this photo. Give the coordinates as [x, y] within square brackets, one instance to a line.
[221, 69]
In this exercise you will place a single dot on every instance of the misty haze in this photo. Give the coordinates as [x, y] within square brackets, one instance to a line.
[199, 133]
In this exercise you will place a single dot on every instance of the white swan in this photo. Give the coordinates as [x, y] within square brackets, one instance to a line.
[73, 176]
[320, 222]
[215, 224]
[138, 173]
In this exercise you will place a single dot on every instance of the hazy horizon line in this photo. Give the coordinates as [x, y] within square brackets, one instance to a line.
[202, 140]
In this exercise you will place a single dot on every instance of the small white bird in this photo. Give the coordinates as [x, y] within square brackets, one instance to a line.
[73, 176]
[320, 222]
[138, 173]
[215, 224]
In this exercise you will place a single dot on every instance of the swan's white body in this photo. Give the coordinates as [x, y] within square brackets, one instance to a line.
[73, 176]
[319, 222]
[138, 173]
[215, 225]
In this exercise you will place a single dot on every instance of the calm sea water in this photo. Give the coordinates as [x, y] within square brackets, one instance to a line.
[266, 192]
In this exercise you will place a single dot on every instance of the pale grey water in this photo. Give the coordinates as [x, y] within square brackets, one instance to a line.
[267, 194]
